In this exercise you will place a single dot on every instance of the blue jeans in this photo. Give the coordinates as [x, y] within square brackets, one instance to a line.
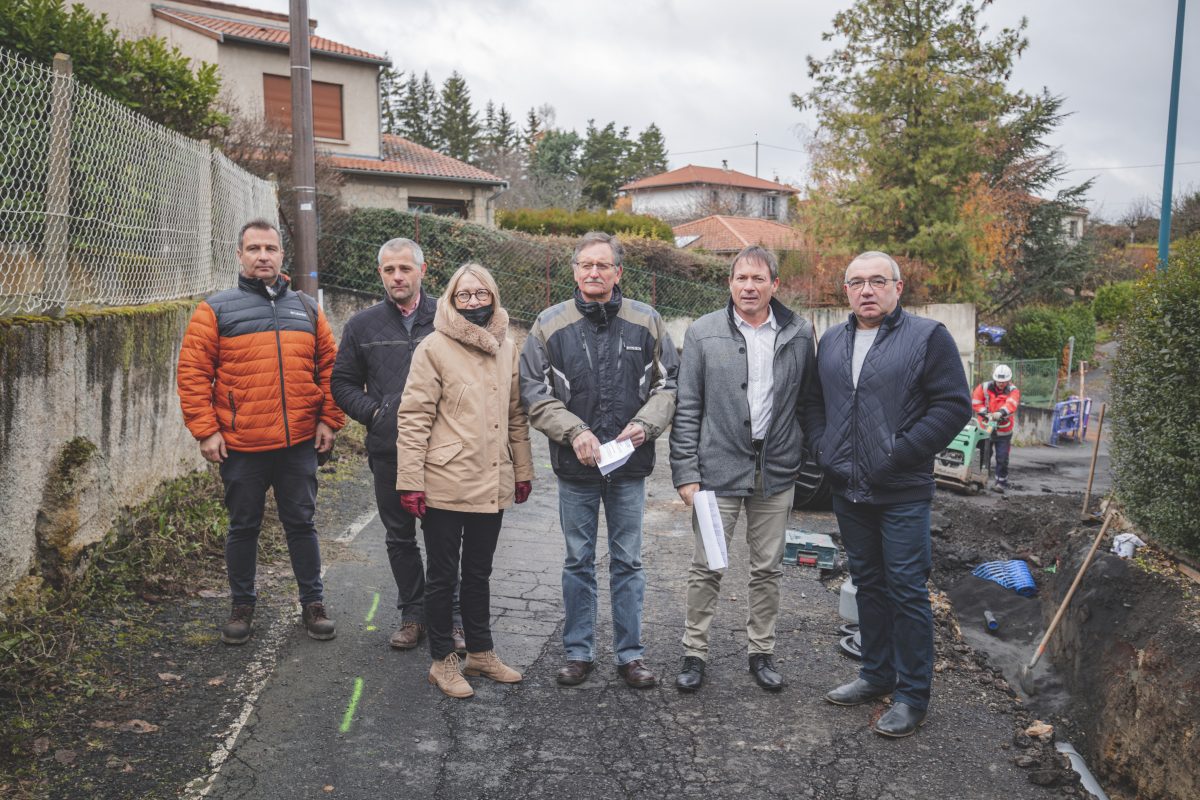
[579, 512]
[292, 473]
[889, 552]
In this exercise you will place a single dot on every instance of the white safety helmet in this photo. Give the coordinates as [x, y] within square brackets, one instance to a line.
[1002, 373]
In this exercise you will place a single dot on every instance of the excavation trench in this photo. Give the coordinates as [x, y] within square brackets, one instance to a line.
[1120, 678]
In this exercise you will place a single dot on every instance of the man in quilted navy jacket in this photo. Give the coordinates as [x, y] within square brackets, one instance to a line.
[368, 380]
[890, 394]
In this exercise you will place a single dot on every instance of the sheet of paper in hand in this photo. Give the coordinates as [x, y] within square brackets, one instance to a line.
[613, 454]
[712, 532]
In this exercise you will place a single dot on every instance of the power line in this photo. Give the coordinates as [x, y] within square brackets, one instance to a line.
[709, 150]
[1130, 166]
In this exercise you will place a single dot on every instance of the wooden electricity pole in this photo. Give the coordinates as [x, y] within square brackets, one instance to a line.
[304, 245]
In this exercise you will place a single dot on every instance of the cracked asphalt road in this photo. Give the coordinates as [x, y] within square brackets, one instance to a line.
[602, 739]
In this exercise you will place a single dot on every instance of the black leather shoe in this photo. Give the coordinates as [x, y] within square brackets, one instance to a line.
[764, 673]
[637, 675]
[899, 721]
[691, 676]
[574, 673]
[856, 693]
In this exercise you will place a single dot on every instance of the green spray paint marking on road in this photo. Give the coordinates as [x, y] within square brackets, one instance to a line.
[348, 717]
[371, 613]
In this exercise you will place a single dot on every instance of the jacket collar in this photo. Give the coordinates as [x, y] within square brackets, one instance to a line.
[426, 308]
[454, 325]
[257, 286]
[599, 313]
[783, 314]
[891, 321]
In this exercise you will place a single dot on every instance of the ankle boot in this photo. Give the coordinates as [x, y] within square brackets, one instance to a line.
[489, 665]
[445, 675]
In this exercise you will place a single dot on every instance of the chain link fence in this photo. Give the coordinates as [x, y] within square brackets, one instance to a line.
[532, 272]
[101, 206]
[1037, 378]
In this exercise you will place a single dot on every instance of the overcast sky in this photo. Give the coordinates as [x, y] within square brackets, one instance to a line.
[715, 74]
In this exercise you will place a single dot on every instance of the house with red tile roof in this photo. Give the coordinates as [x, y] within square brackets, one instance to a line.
[250, 48]
[727, 235]
[692, 192]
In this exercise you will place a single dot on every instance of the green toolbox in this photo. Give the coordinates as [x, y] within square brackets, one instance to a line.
[806, 549]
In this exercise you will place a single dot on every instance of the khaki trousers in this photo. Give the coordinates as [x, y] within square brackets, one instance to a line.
[766, 521]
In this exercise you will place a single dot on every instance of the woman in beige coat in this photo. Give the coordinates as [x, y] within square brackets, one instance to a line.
[463, 457]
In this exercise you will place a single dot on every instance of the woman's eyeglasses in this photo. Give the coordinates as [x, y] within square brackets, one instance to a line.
[482, 295]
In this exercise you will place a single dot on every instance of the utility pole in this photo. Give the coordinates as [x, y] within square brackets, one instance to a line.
[1164, 221]
[304, 246]
[756, 155]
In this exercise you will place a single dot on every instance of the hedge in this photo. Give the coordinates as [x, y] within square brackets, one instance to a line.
[1114, 302]
[1043, 332]
[560, 222]
[1156, 403]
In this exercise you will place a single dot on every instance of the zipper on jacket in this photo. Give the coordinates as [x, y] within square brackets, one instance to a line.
[233, 408]
[287, 434]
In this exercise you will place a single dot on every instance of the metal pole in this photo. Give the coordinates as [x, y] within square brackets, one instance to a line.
[304, 270]
[1164, 222]
[756, 155]
[58, 190]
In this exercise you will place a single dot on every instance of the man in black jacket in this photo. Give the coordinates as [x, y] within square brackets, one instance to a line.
[890, 393]
[368, 380]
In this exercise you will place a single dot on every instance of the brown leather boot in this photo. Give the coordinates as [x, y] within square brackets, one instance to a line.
[408, 636]
[489, 665]
[317, 622]
[445, 675]
[460, 641]
[237, 629]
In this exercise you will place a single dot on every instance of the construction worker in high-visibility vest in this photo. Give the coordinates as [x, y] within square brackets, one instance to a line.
[995, 403]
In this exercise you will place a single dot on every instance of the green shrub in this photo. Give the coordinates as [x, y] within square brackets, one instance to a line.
[1113, 302]
[1043, 332]
[1156, 403]
[560, 222]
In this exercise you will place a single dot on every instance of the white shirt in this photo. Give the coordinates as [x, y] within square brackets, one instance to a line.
[760, 358]
[863, 339]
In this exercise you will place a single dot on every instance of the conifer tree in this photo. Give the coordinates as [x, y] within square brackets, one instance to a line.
[457, 124]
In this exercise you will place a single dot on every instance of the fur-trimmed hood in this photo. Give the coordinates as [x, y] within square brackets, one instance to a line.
[453, 324]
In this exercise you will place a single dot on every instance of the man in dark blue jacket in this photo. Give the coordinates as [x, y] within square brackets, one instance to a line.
[890, 394]
[368, 380]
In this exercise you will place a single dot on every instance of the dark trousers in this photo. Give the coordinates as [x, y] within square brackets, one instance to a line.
[1001, 446]
[450, 535]
[404, 555]
[292, 473]
[889, 552]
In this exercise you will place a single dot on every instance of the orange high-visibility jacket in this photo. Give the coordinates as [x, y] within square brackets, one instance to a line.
[987, 399]
[246, 368]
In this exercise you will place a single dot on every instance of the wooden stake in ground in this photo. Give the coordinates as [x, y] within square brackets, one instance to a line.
[1087, 496]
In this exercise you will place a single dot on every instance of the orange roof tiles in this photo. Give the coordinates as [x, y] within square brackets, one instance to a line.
[402, 157]
[722, 234]
[692, 174]
[263, 32]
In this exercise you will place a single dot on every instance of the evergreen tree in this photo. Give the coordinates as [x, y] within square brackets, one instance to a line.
[533, 129]
[505, 137]
[488, 131]
[648, 155]
[456, 123]
[605, 156]
[417, 111]
[909, 107]
[391, 100]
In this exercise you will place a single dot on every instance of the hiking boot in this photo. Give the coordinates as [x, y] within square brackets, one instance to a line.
[444, 674]
[408, 636]
[237, 629]
[460, 640]
[317, 622]
[489, 665]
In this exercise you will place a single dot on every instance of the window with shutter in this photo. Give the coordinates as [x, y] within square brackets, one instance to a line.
[327, 106]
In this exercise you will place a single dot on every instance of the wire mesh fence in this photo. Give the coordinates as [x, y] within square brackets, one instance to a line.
[101, 206]
[532, 272]
[1037, 378]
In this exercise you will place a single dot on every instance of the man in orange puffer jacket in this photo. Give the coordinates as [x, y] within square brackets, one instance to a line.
[253, 382]
[996, 401]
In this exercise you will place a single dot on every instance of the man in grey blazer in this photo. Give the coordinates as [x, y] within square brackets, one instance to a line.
[737, 433]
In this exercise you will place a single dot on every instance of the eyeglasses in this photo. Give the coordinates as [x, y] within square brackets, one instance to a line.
[482, 295]
[599, 266]
[876, 281]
